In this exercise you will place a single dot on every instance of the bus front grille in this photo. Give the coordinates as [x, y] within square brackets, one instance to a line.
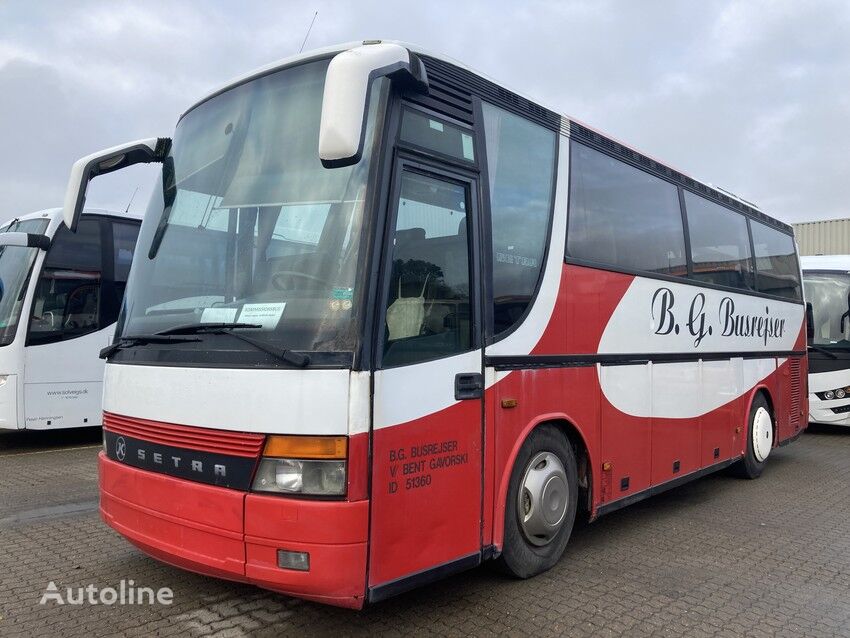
[184, 436]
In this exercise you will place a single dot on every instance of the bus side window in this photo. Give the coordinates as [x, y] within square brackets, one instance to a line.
[67, 298]
[521, 171]
[720, 245]
[428, 309]
[777, 270]
[622, 216]
[124, 236]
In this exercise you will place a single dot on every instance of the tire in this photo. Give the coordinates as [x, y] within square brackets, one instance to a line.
[546, 461]
[760, 435]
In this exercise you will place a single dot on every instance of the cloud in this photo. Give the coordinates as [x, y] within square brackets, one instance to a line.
[750, 95]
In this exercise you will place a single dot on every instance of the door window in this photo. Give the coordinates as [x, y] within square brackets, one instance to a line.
[67, 298]
[428, 307]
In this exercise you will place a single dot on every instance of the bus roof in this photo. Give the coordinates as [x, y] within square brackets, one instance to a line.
[55, 215]
[567, 125]
[825, 262]
[57, 212]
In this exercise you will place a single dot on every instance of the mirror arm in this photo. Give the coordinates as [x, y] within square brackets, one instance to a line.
[107, 161]
[25, 240]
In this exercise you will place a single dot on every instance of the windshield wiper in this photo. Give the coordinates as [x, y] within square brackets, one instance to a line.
[829, 354]
[140, 340]
[289, 356]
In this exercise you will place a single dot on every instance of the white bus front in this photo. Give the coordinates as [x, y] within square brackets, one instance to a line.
[60, 293]
[826, 280]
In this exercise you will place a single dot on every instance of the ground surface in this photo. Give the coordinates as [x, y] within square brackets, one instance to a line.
[719, 556]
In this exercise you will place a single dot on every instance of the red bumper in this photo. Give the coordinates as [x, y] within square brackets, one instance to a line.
[230, 534]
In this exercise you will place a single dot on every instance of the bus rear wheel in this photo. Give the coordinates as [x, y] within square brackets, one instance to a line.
[541, 504]
[759, 440]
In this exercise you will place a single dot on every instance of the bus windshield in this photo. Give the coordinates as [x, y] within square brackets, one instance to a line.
[247, 226]
[829, 294]
[15, 266]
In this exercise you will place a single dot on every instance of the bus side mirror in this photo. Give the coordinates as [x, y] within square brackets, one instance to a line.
[25, 240]
[106, 161]
[810, 321]
[345, 102]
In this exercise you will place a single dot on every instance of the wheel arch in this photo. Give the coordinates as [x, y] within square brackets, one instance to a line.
[576, 439]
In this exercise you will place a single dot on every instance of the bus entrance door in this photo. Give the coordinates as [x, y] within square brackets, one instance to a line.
[427, 417]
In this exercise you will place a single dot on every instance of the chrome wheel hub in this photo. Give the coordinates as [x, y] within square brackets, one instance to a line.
[762, 434]
[543, 498]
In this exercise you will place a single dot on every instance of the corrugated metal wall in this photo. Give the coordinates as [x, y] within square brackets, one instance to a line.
[828, 237]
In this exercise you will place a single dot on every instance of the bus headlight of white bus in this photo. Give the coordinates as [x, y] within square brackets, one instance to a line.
[308, 465]
[829, 395]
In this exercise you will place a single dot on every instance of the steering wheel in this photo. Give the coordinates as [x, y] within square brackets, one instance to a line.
[280, 278]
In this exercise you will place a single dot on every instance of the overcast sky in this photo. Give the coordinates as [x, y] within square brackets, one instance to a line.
[751, 96]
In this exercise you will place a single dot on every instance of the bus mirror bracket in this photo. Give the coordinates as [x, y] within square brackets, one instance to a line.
[345, 102]
[25, 240]
[154, 149]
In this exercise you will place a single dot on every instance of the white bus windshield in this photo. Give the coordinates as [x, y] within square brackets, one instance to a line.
[829, 294]
[15, 266]
[247, 226]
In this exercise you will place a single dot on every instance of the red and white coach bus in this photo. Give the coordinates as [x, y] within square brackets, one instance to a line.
[388, 320]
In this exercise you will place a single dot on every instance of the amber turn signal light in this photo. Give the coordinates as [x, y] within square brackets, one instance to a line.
[307, 447]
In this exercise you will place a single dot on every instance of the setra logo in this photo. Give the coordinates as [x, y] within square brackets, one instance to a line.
[120, 448]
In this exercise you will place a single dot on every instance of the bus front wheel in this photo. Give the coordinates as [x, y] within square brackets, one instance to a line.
[541, 503]
[759, 440]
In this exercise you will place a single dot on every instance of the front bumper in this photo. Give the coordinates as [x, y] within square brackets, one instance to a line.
[9, 403]
[235, 535]
[821, 411]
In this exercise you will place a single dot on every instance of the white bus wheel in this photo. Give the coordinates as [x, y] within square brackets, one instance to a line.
[760, 435]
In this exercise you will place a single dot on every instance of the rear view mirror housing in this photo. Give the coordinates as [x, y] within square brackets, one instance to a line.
[154, 149]
[345, 102]
[25, 240]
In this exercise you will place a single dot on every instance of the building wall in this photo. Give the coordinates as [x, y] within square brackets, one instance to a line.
[828, 237]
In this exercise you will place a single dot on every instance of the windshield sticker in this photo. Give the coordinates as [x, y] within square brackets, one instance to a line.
[265, 314]
[219, 315]
[342, 293]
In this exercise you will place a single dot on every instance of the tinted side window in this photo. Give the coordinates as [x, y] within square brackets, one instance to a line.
[124, 239]
[776, 262]
[521, 169]
[438, 135]
[123, 246]
[67, 300]
[622, 216]
[720, 244]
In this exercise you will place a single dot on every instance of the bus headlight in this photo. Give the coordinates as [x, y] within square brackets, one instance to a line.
[296, 476]
[840, 393]
[308, 465]
[829, 394]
